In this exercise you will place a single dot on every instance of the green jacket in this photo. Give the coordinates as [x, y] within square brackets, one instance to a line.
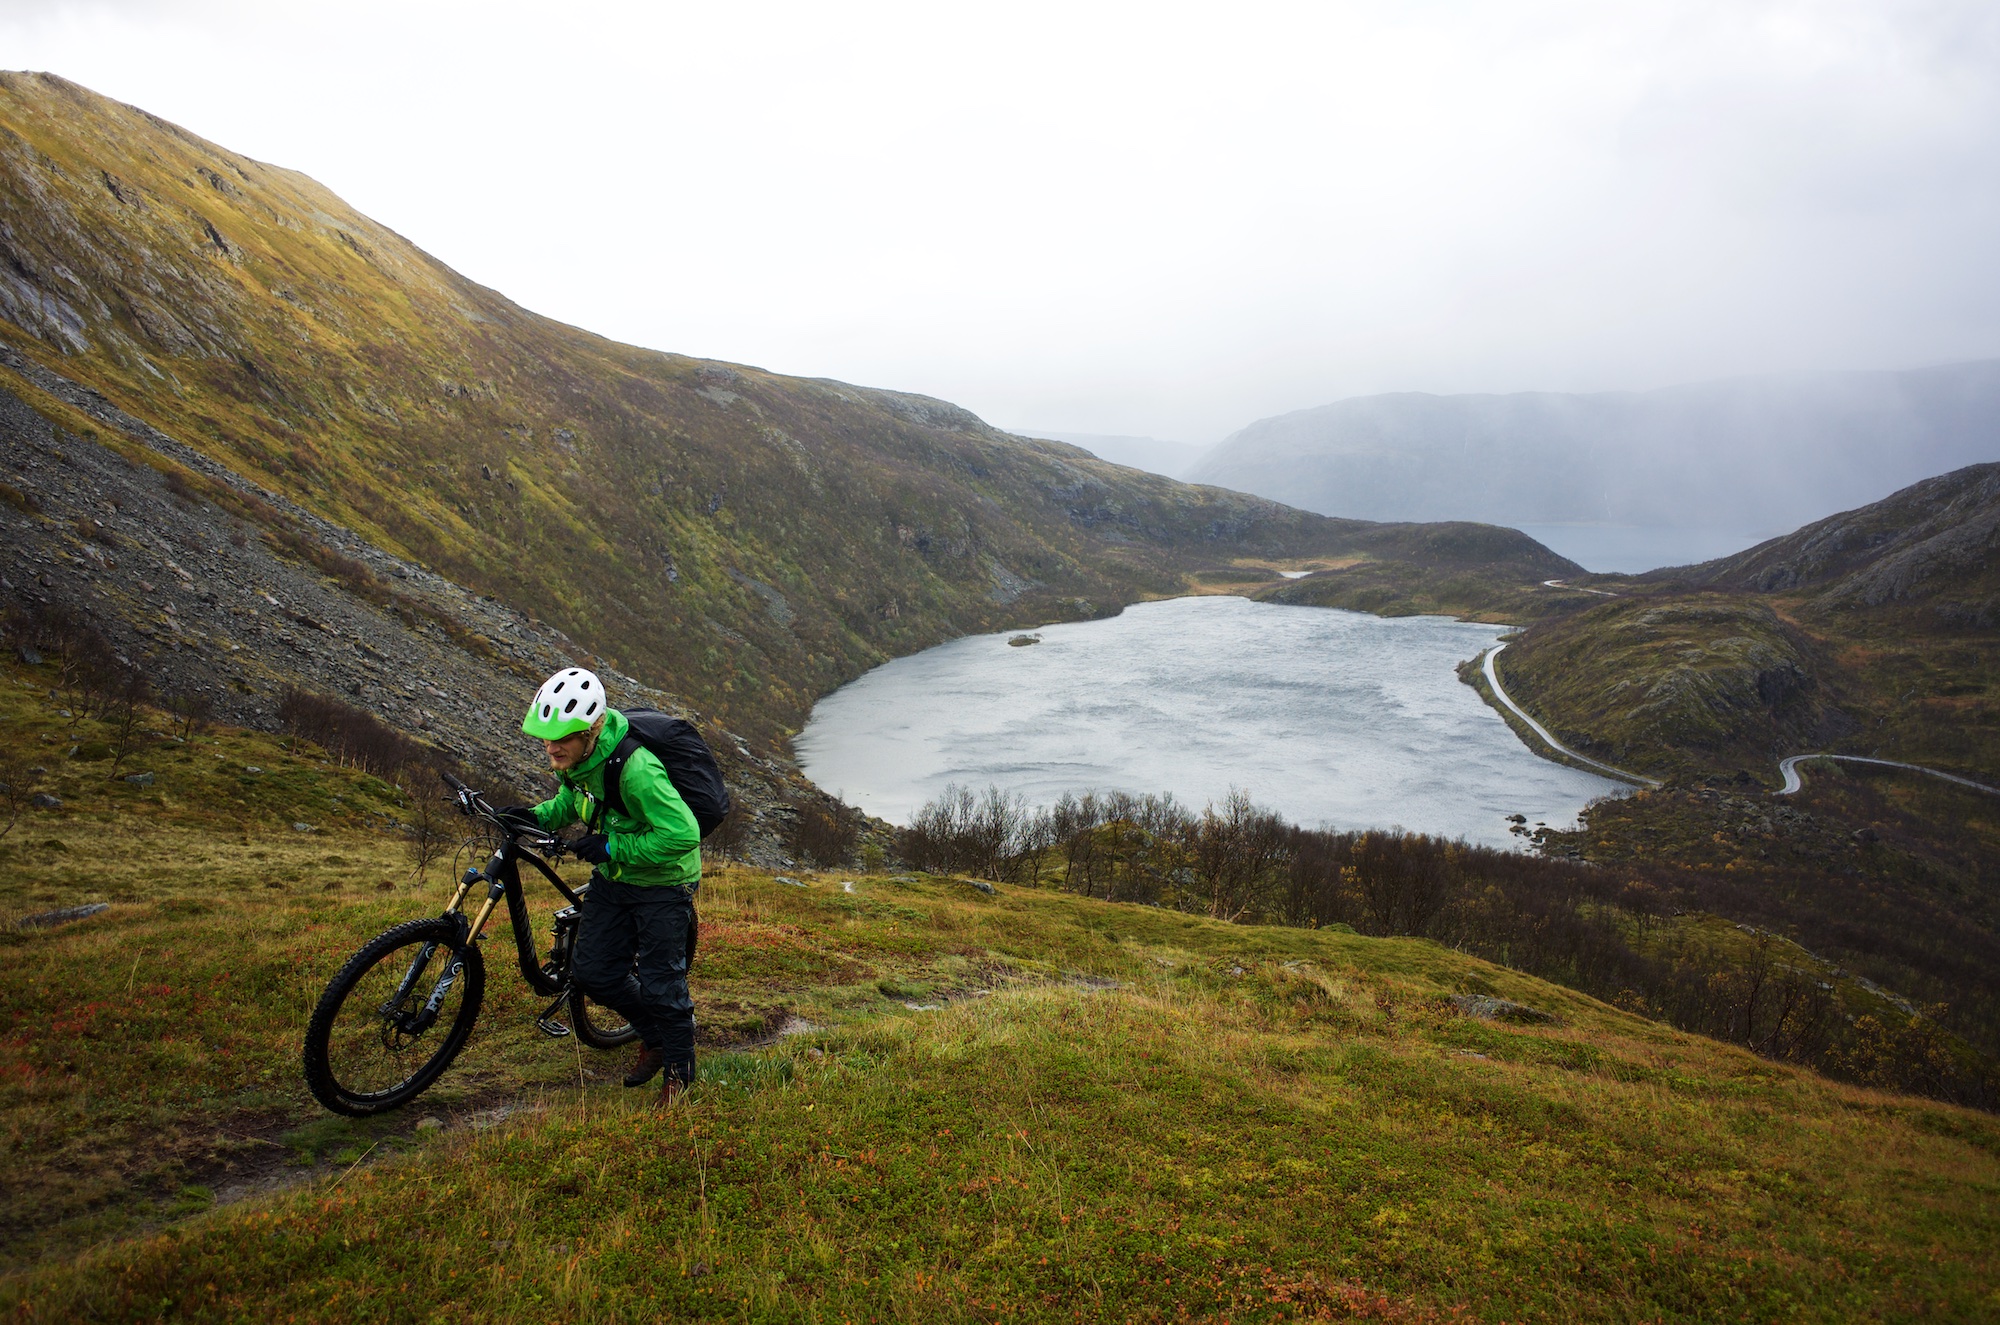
[655, 842]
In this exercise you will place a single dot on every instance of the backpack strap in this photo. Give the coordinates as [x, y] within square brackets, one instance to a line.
[614, 775]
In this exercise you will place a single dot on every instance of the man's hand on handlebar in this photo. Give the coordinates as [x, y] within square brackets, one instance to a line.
[521, 819]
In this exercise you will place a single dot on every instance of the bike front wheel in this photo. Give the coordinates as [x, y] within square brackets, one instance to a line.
[393, 1018]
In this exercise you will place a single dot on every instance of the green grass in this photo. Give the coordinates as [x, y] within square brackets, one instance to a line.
[1245, 1123]
[1111, 1112]
[1504, 595]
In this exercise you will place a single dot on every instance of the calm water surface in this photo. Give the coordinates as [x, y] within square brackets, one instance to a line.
[1327, 717]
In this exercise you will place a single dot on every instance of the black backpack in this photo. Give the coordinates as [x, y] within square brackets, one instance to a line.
[686, 757]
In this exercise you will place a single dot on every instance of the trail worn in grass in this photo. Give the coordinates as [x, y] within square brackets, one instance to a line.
[1145, 1113]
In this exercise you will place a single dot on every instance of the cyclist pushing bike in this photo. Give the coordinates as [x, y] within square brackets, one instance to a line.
[646, 787]
[636, 934]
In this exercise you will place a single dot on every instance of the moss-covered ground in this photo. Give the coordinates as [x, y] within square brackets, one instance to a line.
[1020, 1105]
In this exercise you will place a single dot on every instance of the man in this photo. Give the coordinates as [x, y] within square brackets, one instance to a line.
[637, 928]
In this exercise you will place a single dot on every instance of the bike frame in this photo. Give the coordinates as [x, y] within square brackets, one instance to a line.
[502, 877]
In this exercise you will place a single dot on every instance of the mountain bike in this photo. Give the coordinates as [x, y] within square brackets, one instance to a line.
[400, 1010]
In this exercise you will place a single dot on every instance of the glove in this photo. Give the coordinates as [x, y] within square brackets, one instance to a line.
[520, 818]
[595, 848]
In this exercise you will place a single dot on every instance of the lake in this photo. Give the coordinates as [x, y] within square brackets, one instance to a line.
[1625, 549]
[1328, 717]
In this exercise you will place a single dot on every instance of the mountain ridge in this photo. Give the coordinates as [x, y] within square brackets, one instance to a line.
[1934, 541]
[746, 539]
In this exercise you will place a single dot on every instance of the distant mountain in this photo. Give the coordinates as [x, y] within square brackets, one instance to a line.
[1753, 453]
[1173, 459]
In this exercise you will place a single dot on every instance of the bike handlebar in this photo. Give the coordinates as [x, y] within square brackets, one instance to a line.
[474, 803]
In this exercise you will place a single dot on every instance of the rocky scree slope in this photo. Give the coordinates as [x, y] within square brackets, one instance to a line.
[103, 517]
[752, 539]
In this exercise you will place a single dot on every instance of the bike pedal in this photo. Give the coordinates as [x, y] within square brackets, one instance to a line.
[550, 1027]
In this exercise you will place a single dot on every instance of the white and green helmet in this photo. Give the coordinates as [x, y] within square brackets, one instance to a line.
[571, 701]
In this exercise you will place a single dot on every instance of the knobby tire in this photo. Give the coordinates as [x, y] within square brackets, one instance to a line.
[358, 1059]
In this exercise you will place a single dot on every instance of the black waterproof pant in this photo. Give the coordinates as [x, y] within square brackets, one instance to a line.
[633, 946]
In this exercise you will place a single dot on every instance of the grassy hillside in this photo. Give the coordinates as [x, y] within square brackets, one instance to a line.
[1024, 1104]
[1677, 683]
[1931, 544]
[1453, 568]
[746, 539]
[1873, 632]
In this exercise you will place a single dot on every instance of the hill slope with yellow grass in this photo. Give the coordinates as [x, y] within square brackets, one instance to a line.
[747, 539]
[918, 1101]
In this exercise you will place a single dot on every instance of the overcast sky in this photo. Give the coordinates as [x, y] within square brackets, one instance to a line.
[1142, 218]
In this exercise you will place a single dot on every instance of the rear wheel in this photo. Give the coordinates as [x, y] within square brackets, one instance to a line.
[394, 1018]
[598, 1026]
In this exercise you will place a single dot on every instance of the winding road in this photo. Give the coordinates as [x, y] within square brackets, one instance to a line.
[1576, 588]
[1493, 680]
[1788, 766]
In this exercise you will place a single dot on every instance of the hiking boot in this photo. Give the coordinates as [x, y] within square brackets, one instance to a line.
[647, 1067]
[680, 1076]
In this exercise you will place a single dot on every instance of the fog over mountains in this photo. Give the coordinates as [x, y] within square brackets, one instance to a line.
[1761, 454]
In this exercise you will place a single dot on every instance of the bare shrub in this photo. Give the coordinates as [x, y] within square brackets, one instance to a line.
[429, 831]
[969, 833]
[1403, 884]
[191, 711]
[823, 834]
[931, 842]
[356, 737]
[182, 490]
[1235, 855]
[17, 785]
[732, 835]
[125, 711]
[86, 666]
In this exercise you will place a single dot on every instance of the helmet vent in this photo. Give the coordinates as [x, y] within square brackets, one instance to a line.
[570, 707]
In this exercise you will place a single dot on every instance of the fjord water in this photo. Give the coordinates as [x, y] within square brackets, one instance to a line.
[1328, 717]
